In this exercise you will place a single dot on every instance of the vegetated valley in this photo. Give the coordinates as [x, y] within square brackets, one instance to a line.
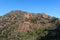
[21, 25]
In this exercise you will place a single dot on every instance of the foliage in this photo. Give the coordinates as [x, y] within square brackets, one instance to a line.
[33, 20]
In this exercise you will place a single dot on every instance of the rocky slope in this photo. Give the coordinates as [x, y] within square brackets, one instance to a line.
[17, 21]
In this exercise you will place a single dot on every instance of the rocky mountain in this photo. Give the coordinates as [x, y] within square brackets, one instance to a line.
[21, 25]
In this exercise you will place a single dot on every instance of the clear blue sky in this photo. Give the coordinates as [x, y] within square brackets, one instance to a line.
[50, 7]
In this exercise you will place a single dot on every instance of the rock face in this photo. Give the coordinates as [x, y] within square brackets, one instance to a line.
[44, 15]
[23, 27]
[27, 15]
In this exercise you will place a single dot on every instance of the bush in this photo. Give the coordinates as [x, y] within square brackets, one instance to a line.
[33, 20]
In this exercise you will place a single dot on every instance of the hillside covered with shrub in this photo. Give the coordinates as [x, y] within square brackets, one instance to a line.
[21, 25]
